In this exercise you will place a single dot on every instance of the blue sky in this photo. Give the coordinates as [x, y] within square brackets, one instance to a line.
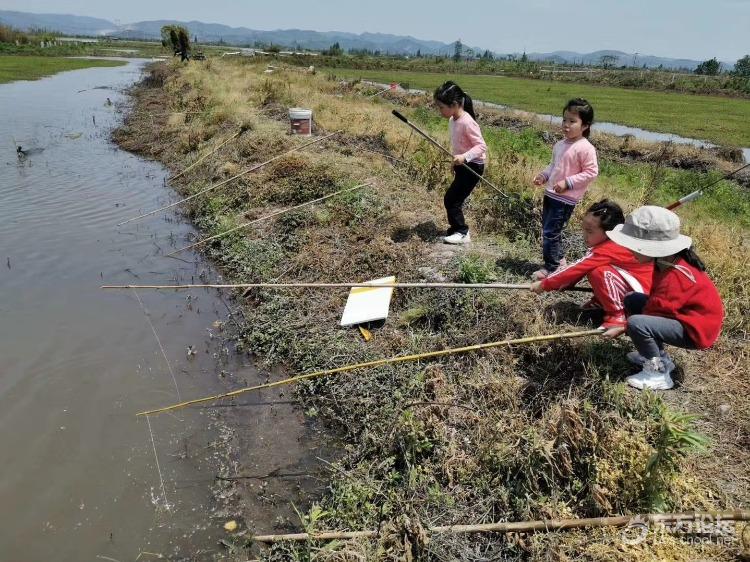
[697, 29]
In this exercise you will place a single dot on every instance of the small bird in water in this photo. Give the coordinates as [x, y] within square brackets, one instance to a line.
[190, 351]
[24, 152]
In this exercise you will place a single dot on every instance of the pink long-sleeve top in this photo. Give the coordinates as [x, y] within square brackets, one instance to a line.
[466, 139]
[576, 163]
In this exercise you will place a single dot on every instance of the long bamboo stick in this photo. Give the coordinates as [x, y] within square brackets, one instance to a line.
[202, 158]
[448, 152]
[274, 214]
[252, 169]
[376, 363]
[340, 285]
[531, 526]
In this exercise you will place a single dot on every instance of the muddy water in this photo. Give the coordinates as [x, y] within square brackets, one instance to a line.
[80, 478]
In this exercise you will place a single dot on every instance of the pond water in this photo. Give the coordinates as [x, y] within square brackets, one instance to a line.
[83, 478]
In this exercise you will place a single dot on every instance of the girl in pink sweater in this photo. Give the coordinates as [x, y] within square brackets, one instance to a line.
[468, 147]
[574, 166]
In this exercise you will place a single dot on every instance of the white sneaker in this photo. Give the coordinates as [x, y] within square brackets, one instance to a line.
[637, 359]
[457, 238]
[655, 375]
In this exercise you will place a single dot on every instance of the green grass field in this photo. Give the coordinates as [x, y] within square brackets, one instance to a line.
[713, 118]
[14, 68]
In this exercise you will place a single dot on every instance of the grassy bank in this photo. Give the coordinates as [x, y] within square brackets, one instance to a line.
[549, 430]
[105, 47]
[14, 68]
[717, 119]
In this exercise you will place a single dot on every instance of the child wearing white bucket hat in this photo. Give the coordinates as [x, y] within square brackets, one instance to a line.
[684, 308]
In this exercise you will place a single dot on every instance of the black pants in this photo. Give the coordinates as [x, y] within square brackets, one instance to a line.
[463, 184]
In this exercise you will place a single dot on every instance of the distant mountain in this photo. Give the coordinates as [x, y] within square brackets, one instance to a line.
[71, 25]
[302, 38]
[619, 58]
[213, 32]
[315, 40]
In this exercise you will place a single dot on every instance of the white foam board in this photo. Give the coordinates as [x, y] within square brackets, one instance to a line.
[366, 304]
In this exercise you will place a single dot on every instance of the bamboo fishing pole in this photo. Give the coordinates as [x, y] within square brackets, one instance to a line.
[370, 285]
[380, 92]
[256, 167]
[695, 194]
[376, 363]
[448, 152]
[383, 154]
[274, 214]
[637, 522]
[202, 158]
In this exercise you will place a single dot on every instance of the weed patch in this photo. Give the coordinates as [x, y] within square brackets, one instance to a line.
[541, 431]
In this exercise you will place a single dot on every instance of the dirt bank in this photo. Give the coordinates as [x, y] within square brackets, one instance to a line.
[542, 431]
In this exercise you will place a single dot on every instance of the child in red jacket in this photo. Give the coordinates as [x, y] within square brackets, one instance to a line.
[612, 270]
[684, 308]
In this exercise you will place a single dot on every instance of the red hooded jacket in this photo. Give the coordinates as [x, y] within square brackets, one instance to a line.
[686, 294]
[604, 253]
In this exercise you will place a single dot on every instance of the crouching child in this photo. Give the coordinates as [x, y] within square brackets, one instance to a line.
[612, 270]
[684, 308]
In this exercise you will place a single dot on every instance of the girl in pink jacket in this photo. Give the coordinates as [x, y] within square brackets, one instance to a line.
[468, 147]
[574, 166]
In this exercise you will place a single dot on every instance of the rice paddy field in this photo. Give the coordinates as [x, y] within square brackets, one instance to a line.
[721, 120]
[14, 68]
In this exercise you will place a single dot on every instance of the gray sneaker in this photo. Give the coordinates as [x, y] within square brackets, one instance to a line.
[655, 375]
[637, 359]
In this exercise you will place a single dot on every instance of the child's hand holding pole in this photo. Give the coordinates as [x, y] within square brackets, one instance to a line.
[536, 287]
[614, 332]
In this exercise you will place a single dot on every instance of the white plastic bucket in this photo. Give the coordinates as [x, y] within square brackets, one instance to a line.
[301, 121]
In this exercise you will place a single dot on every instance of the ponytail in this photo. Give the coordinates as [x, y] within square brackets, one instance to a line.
[692, 258]
[469, 106]
[451, 93]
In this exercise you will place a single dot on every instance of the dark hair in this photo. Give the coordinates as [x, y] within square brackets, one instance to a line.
[450, 93]
[608, 212]
[692, 258]
[583, 109]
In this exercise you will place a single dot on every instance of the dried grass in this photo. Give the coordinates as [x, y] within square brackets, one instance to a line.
[542, 431]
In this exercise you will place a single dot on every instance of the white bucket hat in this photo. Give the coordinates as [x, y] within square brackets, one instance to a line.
[651, 231]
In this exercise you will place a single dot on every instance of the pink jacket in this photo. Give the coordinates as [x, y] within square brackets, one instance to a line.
[575, 162]
[467, 140]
